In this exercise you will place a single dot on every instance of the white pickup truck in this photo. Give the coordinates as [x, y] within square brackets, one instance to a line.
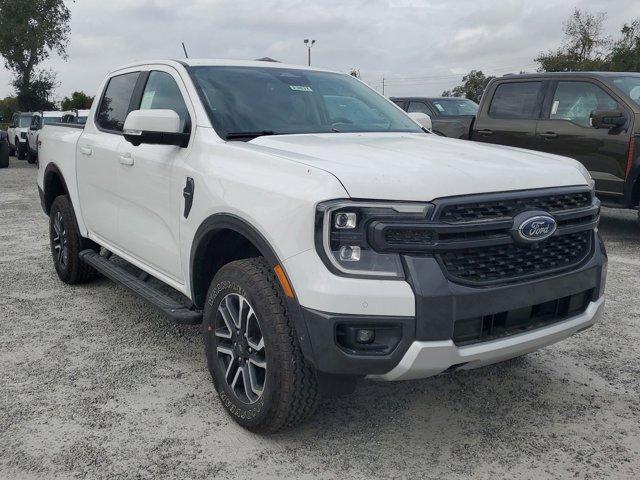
[318, 233]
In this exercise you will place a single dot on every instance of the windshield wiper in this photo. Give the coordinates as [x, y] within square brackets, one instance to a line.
[249, 135]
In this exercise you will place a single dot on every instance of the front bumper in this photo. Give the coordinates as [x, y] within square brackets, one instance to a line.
[425, 345]
[425, 359]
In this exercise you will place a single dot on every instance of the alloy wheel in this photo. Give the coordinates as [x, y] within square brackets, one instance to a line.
[60, 241]
[240, 348]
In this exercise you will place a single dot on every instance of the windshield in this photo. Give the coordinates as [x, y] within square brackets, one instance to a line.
[264, 101]
[629, 85]
[454, 106]
[50, 120]
[24, 122]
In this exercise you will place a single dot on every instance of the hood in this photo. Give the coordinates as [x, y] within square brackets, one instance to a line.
[420, 167]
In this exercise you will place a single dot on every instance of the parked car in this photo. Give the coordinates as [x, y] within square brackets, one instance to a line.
[4, 150]
[38, 120]
[450, 116]
[591, 117]
[17, 134]
[78, 117]
[318, 244]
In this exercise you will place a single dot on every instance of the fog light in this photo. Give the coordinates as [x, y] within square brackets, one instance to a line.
[365, 336]
[350, 254]
[345, 220]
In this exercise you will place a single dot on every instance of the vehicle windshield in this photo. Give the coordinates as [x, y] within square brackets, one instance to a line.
[629, 85]
[263, 101]
[448, 107]
[50, 120]
[24, 121]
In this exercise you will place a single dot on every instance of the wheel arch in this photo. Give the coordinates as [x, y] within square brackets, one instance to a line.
[223, 238]
[53, 185]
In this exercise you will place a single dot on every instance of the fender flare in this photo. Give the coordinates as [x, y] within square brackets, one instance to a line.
[51, 168]
[225, 221]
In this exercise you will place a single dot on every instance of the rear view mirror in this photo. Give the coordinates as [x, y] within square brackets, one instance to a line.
[607, 119]
[422, 119]
[157, 127]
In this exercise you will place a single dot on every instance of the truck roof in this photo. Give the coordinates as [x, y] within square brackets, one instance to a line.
[570, 74]
[206, 62]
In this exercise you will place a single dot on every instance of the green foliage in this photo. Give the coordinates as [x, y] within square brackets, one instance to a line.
[29, 32]
[8, 106]
[473, 84]
[586, 48]
[625, 54]
[77, 101]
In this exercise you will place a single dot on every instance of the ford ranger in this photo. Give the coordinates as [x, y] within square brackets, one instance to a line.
[318, 232]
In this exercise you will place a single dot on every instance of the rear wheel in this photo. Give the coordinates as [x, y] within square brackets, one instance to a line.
[12, 151]
[254, 358]
[66, 243]
[31, 157]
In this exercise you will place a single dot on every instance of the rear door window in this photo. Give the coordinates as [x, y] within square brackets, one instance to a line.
[516, 100]
[419, 107]
[574, 101]
[114, 106]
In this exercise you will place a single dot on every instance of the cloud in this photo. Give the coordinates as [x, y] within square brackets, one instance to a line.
[420, 46]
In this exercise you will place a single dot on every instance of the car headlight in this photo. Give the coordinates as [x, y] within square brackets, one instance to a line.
[347, 232]
[587, 176]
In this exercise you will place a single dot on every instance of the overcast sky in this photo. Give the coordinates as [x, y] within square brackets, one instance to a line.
[420, 46]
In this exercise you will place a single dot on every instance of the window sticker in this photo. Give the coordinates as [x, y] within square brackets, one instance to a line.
[439, 107]
[300, 88]
[147, 100]
[554, 108]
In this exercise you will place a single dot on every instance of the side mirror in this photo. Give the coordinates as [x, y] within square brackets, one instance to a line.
[156, 127]
[33, 127]
[607, 119]
[422, 119]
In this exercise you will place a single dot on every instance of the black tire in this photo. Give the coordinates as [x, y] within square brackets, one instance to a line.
[22, 151]
[31, 157]
[12, 151]
[289, 389]
[66, 243]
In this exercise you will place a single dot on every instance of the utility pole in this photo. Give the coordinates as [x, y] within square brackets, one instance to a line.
[383, 85]
[309, 44]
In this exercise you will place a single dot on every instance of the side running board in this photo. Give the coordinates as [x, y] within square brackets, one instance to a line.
[167, 305]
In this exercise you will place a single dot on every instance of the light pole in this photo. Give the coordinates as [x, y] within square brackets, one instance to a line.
[309, 44]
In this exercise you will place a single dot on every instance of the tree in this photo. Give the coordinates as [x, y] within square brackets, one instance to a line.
[354, 72]
[8, 106]
[625, 54]
[584, 46]
[473, 85]
[77, 101]
[29, 32]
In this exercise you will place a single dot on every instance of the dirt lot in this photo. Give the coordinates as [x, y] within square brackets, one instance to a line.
[95, 384]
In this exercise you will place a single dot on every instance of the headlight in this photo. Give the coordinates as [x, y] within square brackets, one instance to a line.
[587, 176]
[345, 230]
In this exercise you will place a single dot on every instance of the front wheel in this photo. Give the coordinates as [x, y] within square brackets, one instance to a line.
[22, 150]
[66, 243]
[31, 157]
[253, 354]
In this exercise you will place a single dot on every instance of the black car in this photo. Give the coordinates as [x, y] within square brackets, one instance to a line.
[451, 116]
[593, 117]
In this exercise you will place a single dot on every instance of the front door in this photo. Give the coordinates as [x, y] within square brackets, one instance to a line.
[565, 129]
[149, 185]
[512, 115]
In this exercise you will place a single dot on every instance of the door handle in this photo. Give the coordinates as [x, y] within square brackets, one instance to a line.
[86, 150]
[126, 159]
[548, 135]
[486, 131]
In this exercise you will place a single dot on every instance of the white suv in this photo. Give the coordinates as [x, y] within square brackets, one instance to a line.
[38, 120]
[316, 230]
[17, 134]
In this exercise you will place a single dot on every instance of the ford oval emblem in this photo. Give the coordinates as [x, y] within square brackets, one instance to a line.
[535, 229]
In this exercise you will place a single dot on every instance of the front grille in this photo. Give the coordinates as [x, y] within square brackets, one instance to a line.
[489, 327]
[503, 263]
[509, 207]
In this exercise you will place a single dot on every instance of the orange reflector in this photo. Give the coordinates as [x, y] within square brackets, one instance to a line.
[286, 287]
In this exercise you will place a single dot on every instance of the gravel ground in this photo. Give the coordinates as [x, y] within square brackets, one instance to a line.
[95, 384]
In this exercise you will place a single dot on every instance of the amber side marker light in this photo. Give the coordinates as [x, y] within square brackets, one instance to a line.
[282, 278]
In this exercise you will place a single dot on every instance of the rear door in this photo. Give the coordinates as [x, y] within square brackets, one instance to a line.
[97, 162]
[510, 116]
[565, 129]
[150, 184]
